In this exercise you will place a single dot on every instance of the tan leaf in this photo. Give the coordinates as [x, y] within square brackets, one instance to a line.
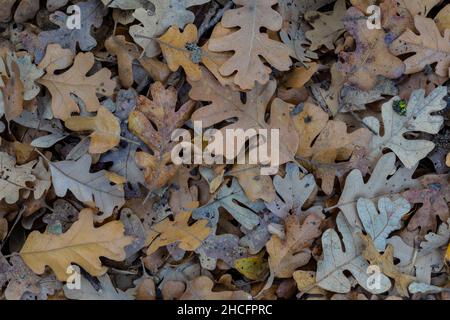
[74, 81]
[82, 244]
[201, 289]
[327, 27]
[188, 237]
[161, 112]
[13, 178]
[324, 142]
[250, 44]
[385, 262]
[299, 76]
[371, 57]
[226, 104]
[286, 256]
[175, 46]
[429, 47]
[125, 52]
[106, 129]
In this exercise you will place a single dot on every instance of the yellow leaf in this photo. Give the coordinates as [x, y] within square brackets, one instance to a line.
[254, 268]
[174, 46]
[443, 19]
[82, 244]
[106, 129]
[189, 237]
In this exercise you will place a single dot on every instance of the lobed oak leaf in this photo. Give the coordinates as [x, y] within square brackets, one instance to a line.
[293, 190]
[187, 237]
[287, 255]
[82, 244]
[380, 225]
[125, 52]
[434, 196]
[201, 289]
[330, 269]
[417, 117]
[178, 53]
[74, 81]
[167, 13]
[385, 180]
[14, 178]
[226, 104]
[86, 186]
[429, 47]
[106, 129]
[91, 15]
[422, 262]
[324, 142]
[161, 111]
[371, 57]
[385, 262]
[327, 27]
[249, 43]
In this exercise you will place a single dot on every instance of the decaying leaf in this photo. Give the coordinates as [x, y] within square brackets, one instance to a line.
[154, 121]
[371, 57]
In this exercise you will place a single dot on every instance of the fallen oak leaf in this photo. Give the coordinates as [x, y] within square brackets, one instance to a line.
[166, 14]
[180, 50]
[429, 47]
[249, 43]
[385, 262]
[327, 27]
[417, 117]
[371, 57]
[201, 289]
[125, 52]
[385, 180]
[14, 178]
[330, 269]
[161, 111]
[434, 196]
[74, 81]
[82, 244]
[187, 237]
[324, 142]
[106, 129]
[86, 186]
[287, 255]
[380, 225]
[253, 268]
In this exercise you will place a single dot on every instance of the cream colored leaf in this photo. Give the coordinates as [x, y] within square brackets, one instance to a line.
[419, 117]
